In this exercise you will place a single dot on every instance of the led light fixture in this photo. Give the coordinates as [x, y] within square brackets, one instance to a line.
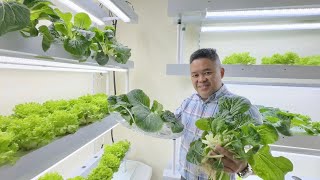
[77, 8]
[32, 64]
[270, 27]
[121, 9]
[265, 13]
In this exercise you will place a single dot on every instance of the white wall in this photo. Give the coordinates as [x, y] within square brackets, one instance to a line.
[20, 86]
[260, 44]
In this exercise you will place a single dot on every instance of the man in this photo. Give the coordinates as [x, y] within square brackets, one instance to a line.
[206, 76]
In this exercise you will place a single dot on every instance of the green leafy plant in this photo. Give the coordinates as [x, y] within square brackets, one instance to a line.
[57, 105]
[101, 173]
[288, 123]
[118, 149]
[234, 129]
[51, 176]
[287, 58]
[135, 108]
[239, 58]
[111, 161]
[13, 15]
[78, 37]
[31, 132]
[8, 148]
[64, 122]
[27, 109]
[309, 60]
[77, 178]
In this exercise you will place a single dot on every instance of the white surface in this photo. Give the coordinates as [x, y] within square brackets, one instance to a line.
[133, 170]
[168, 174]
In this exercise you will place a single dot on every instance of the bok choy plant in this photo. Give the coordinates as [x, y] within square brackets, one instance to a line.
[235, 130]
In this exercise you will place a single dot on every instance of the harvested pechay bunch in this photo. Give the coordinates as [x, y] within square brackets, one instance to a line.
[135, 108]
[234, 129]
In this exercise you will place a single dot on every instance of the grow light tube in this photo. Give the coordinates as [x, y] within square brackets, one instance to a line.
[51, 64]
[270, 27]
[46, 68]
[77, 8]
[265, 13]
[111, 5]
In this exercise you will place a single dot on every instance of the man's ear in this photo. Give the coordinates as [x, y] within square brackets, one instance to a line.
[222, 72]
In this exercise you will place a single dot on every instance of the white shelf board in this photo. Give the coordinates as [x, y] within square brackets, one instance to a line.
[25, 53]
[39, 160]
[260, 72]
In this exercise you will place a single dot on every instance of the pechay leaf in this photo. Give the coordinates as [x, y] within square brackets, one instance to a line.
[42, 10]
[32, 3]
[268, 167]
[138, 97]
[267, 133]
[47, 37]
[195, 153]
[147, 120]
[86, 34]
[82, 20]
[168, 116]
[66, 17]
[203, 124]
[156, 107]
[76, 46]
[13, 16]
[235, 105]
[176, 127]
[101, 58]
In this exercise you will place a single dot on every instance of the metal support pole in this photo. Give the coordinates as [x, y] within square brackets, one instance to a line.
[180, 35]
[107, 83]
[174, 157]
[127, 81]
[93, 83]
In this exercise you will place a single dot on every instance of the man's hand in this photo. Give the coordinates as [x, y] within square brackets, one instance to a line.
[231, 165]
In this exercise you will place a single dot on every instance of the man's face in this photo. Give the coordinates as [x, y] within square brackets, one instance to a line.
[206, 76]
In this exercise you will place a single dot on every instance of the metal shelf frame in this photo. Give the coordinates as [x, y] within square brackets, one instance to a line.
[17, 52]
[37, 162]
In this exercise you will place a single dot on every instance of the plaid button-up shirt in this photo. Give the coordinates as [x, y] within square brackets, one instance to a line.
[191, 110]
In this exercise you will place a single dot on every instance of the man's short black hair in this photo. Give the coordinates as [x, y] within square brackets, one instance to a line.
[208, 53]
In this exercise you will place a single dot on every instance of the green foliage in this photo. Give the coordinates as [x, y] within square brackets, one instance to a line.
[56, 105]
[134, 107]
[51, 176]
[287, 58]
[235, 130]
[288, 123]
[64, 122]
[27, 109]
[14, 16]
[33, 125]
[77, 178]
[101, 173]
[5, 122]
[111, 161]
[118, 149]
[8, 148]
[309, 60]
[86, 112]
[31, 132]
[79, 37]
[239, 58]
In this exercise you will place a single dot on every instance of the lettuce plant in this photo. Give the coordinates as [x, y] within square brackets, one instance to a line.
[31, 132]
[287, 58]
[101, 173]
[56, 105]
[8, 148]
[309, 60]
[111, 161]
[64, 122]
[77, 178]
[234, 129]
[239, 58]
[29, 109]
[135, 108]
[51, 176]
